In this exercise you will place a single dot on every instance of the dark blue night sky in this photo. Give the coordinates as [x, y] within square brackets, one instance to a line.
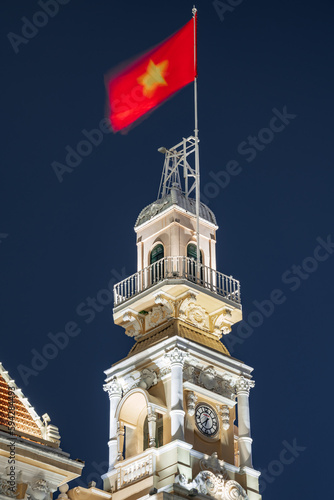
[266, 112]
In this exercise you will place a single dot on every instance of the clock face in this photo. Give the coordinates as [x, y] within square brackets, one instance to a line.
[206, 420]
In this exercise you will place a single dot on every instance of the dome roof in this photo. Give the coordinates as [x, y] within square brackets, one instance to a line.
[175, 197]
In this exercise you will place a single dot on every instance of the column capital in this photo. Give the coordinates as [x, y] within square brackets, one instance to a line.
[176, 356]
[243, 385]
[113, 388]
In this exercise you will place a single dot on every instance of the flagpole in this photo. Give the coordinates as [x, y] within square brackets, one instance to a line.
[194, 11]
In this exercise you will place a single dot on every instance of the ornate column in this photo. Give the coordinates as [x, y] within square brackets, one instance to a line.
[114, 390]
[243, 386]
[152, 425]
[177, 357]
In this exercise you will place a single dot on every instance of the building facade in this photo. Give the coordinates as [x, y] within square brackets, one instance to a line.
[32, 464]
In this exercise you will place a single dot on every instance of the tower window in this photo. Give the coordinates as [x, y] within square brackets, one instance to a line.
[192, 252]
[157, 271]
[157, 253]
[193, 274]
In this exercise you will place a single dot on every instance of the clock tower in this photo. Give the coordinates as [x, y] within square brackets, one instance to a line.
[179, 403]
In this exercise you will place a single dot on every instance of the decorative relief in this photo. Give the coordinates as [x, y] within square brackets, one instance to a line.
[244, 385]
[38, 489]
[164, 301]
[136, 327]
[190, 374]
[224, 413]
[191, 403]
[208, 378]
[221, 323]
[193, 313]
[214, 464]
[148, 378]
[156, 316]
[144, 379]
[213, 485]
[6, 489]
[113, 388]
[164, 371]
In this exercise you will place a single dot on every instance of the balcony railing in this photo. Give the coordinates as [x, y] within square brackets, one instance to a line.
[170, 268]
[135, 470]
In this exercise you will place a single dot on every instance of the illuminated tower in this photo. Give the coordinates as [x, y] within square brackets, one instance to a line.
[179, 403]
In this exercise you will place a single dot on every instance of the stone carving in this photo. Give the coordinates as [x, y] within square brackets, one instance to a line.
[220, 323]
[38, 489]
[225, 328]
[244, 385]
[176, 355]
[224, 414]
[148, 378]
[233, 490]
[214, 464]
[7, 489]
[227, 387]
[213, 485]
[157, 315]
[210, 379]
[189, 374]
[194, 313]
[164, 301]
[113, 388]
[191, 403]
[135, 329]
[164, 371]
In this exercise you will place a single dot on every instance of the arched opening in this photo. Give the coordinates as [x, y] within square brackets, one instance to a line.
[131, 420]
[157, 267]
[193, 273]
[140, 424]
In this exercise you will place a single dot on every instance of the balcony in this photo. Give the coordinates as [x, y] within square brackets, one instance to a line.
[177, 268]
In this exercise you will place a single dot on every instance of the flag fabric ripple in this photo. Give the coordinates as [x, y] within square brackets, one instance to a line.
[152, 78]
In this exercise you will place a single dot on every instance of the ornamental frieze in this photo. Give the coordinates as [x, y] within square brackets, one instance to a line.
[209, 379]
[145, 379]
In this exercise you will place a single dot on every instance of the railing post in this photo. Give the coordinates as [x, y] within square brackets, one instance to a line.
[177, 267]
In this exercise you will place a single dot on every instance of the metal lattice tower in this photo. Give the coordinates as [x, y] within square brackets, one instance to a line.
[176, 158]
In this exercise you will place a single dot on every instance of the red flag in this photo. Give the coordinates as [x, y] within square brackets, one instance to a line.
[152, 78]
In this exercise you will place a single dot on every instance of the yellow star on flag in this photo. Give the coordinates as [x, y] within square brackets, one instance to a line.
[153, 78]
